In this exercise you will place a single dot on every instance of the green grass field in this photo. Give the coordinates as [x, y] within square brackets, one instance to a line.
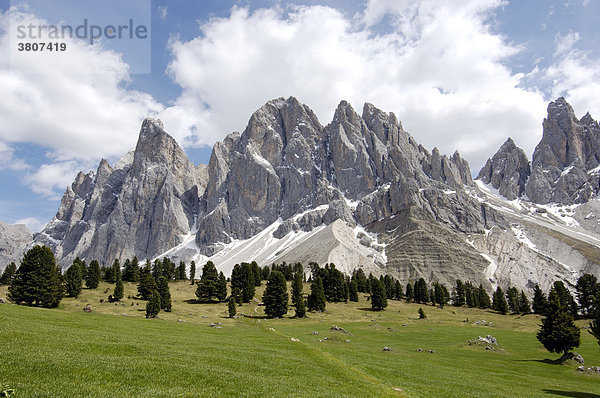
[115, 352]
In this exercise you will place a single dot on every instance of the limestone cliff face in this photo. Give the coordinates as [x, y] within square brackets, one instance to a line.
[362, 167]
[507, 170]
[13, 239]
[139, 207]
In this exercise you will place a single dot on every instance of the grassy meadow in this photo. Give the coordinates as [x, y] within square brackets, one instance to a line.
[115, 352]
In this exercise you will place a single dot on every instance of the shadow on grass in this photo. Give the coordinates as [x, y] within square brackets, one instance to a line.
[547, 361]
[575, 394]
[369, 309]
[196, 301]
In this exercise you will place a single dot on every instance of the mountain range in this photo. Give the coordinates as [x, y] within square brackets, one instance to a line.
[359, 192]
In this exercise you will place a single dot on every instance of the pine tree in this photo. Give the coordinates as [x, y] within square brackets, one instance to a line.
[93, 275]
[231, 307]
[118, 292]
[73, 280]
[221, 287]
[565, 297]
[108, 274]
[361, 280]
[181, 269]
[116, 268]
[298, 296]
[207, 288]
[439, 295]
[499, 301]
[513, 300]
[409, 292]
[353, 291]
[422, 314]
[147, 283]
[275, 296]
[540, 302]
[587, 289]
[484, 298]
[459, 294]
[38, 280]
[8, 273]
[257, 274]
[153, 304]
[378, 296]
[595, 324]
[131, 270]
[165, 294]
[192, 272]
[421, 294]
[558, 333]
[398, 295]
[524, 304]
[316, 298]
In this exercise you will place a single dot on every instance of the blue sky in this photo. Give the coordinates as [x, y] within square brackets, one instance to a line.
[460, 74]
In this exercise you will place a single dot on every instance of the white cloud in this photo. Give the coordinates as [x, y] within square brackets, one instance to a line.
[8, 160]
[74, 102]
[441, 70]
[32, 223]
[575, 75]
[565, 43]
[162, 12]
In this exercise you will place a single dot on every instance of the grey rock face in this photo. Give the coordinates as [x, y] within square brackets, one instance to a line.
[507, 171]
[13, 239]
[285, 163]
[564, 162]
[139, 208]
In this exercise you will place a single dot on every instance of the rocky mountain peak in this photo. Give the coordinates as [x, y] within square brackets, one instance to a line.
[507, 171]
[568, 150]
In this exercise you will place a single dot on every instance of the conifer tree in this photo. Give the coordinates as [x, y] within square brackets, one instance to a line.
[192, 272]
[353, 291]
[484, 298]
[208, 287]
[147, 283]
[298, 296]
[587, 289]
[256, 273]
[131, 270]
[422, 314]
[118, 292]
[316, 298]
[398, 295]
[165, 294]
[459, 294]
[38, 280]
[93, 275]
[524, 305]
[540, 302]
[595, 324]
[565, 297]
[499, 301]
[421, 294]
[409, 292]
[153, 304]
[181, 271]
[361, 280]
[514, 300]
[8, 273]
[558, 333]
[115, 269]
[378, 296]
[439, 295]
[108, 274]
[221, 287]
[73, 280]
[275, 296]
[231, 307]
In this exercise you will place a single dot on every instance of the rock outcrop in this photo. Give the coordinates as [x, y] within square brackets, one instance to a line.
[565, 163]
[13, 239]
[507, 171]
[139, 207]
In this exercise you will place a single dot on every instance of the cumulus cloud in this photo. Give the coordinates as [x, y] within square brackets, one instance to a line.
[75, 102]
[575, 74]
[8, 160]
[441, 69]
